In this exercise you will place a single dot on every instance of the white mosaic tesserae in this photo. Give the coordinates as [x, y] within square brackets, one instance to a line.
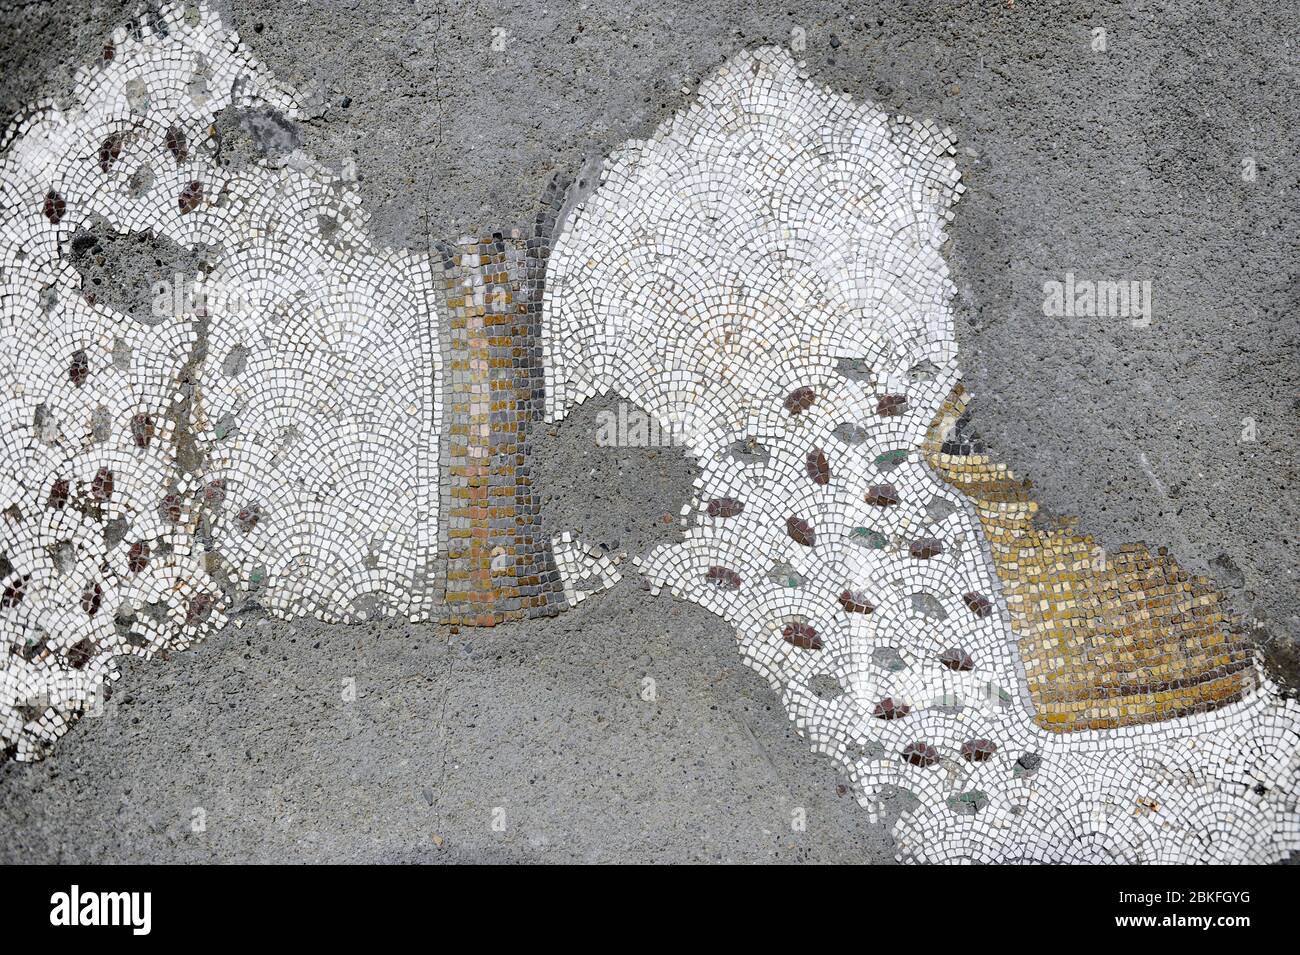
[765, 275]
[271, 435]
[314, 425]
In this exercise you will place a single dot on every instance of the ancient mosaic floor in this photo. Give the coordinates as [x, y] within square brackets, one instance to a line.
[329, 428]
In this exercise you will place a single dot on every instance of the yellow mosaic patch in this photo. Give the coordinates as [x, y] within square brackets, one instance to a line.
[1107, 639]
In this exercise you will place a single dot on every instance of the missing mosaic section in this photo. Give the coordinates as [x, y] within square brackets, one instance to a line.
[313, 425]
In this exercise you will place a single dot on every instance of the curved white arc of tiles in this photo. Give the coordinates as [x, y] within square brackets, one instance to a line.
[771, 237]
[322, 425]
[774, 236]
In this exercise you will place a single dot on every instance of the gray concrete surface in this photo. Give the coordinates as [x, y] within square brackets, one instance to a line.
[251, 737]
[1123, 164]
